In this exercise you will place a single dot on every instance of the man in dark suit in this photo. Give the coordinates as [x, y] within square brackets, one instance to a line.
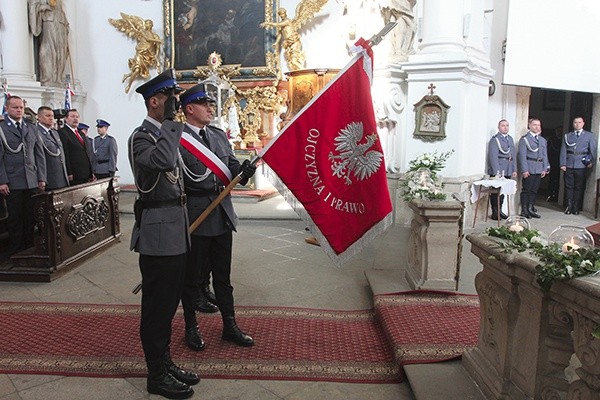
[56, 170]
[79, 166]
[501, 160]
[160, 234]
[577, 156]
[22, 173]
[533, 165]
[212, 241]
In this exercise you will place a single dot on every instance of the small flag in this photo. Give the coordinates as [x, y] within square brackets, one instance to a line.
[68, 93]
[329, 163]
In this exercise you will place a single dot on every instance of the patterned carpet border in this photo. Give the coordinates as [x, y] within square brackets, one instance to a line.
[291, 344]
[424, 326]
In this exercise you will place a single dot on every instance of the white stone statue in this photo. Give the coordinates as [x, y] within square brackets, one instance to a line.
[403, 35]
[47, 18]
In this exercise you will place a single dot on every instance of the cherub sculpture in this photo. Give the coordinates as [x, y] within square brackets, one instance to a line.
[288, 36]
[147, 50]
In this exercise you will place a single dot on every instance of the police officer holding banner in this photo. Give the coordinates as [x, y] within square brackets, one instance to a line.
[160, 234]
[577, 156]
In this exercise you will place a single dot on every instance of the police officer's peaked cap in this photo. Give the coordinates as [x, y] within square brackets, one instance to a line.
[101, 123]
[196, 93]
[160, 83]
[82, 126]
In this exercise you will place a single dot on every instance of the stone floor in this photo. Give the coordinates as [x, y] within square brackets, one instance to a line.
[272, 266]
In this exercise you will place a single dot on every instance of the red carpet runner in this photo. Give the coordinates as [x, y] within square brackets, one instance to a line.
[428, 326]
[291, 343]
[102, 340]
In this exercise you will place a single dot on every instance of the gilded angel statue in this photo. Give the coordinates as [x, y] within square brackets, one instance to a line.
[147, 50]
[288, 37]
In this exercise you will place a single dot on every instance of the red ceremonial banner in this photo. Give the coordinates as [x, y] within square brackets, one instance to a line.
[331, 161]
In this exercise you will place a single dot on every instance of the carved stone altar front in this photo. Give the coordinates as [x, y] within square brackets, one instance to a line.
[532, 344]
[434, 245]
[71, 225]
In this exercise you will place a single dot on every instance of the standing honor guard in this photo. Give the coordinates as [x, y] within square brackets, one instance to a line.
[160, 234]
[105, 151]
[56, 169]
[577, 156]
[209, 165]
[22, 173]
[502, 161]
[533, 164]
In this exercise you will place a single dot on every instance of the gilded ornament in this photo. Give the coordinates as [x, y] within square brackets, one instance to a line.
[288, 36]
[147, 50]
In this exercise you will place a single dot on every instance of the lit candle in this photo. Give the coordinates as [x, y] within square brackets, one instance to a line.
[516, 227]
[570, 246]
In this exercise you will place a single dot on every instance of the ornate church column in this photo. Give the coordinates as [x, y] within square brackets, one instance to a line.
[17, 46]
[442, 26]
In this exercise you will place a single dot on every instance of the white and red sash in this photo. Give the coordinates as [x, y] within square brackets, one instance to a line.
[207, 157]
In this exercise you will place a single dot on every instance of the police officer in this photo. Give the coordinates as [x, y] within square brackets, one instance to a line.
[56, 170]
[204, 174]
[105, 151]
[22, 173]
[160, 234]
[533, 165]
[577, 155]
[83, 129]
[501, 160]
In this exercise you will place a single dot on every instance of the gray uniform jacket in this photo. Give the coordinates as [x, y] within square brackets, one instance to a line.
[105, 154]
[25, 168]
[56, 170]
[154, 162]
[501, 155]
[201, 194]
[533, 154]
[573, 149]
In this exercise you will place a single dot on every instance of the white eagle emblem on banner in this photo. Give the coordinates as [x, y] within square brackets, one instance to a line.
[354, 157]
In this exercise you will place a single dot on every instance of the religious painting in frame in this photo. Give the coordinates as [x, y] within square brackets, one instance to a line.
[194, 29]
[430, 118]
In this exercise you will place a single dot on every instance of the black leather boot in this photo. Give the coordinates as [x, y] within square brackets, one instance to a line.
[210, 296]
[161, 382]
[494, 205]
[524, 211]
[575, 210]
[532, 212]
[569, 208]
[502, 215]
[187, 377]
[204, 305]
[193, 339]
[232, 333]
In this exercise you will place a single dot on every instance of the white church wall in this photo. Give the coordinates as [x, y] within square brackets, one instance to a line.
[100, 55]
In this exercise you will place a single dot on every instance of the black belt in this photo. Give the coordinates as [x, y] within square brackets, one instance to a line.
[101, 161]
[577, 153]
[204, 192]
[535, 159]
[503, 158]
[179, 201]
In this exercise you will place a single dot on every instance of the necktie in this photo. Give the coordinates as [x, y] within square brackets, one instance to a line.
[18, 125]
[79, 137]
[204, 138]
[578, 132]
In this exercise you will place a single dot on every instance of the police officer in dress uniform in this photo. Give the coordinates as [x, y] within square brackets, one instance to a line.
[105, 151]
[212, 241]
[577, 156]
[501, 160]
[22, 173]
[533, 165]
[83, 129]
[56, 170]
[160, 234]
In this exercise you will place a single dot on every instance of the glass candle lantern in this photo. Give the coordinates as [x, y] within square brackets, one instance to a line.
[571, 238]
[516, 223]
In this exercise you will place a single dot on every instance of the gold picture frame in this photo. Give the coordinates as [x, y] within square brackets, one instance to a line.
[196, 28]
[430, 118]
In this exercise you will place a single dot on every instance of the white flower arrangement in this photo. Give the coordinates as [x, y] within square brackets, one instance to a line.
[421, 180]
